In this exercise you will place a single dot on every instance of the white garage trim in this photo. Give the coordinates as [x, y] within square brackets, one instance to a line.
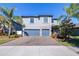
[40, 32]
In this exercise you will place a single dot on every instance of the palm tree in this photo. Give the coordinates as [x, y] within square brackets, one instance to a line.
[2, 24]
[9, 16]
[66, 28]
[64, 20]
[72, 10]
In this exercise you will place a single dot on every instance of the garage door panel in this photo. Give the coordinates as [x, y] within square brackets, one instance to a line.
[45, 32]
[32, 32]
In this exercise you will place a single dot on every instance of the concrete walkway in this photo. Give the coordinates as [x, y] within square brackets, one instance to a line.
[32, 41]
[36, 51]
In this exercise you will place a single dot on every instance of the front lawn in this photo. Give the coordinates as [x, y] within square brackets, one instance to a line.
[65, 43]
[4, 39]
[76, 37]
[73, 42]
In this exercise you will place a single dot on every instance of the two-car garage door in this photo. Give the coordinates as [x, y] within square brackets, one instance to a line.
[36, 32]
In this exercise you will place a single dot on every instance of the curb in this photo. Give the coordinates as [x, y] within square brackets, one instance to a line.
[75, 49]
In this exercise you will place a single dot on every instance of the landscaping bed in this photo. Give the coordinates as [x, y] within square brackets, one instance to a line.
[4, 39]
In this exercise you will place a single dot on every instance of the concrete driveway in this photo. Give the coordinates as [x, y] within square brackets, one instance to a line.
[35, 46]
[32, 41]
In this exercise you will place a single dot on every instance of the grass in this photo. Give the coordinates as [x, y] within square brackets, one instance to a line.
[4, 39]
[73, 42]
[66, 43]
[76, 37]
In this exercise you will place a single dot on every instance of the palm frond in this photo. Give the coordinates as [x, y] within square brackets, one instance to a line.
[18, 19]
[5, 11]
[11, 12]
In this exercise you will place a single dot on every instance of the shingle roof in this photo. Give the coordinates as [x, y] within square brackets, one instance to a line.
[37, 16]
[45, 16]
[29, 16]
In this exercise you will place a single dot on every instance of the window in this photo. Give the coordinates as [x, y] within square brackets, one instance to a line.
[45, 19]
[31, 20]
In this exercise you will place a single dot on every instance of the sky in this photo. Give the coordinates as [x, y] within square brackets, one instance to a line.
[35, 9]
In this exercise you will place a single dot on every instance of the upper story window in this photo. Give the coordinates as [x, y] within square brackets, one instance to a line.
[45, 19]
[31, 20]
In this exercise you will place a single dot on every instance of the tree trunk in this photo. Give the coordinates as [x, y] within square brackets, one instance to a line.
[9, 30]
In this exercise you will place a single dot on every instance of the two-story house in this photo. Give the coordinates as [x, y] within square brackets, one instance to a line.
[37, 25]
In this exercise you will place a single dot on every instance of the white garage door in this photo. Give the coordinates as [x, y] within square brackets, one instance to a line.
[32, 32]
[45, 32]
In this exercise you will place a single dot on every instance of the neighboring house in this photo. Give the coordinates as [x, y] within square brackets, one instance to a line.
[37, 25]
[17, 27]
[76, 30]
